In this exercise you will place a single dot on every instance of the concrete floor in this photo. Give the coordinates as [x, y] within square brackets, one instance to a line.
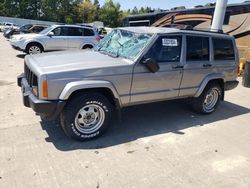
[158, 145]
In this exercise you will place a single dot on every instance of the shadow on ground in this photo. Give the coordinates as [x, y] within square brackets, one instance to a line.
[22, 56]
[143, 121]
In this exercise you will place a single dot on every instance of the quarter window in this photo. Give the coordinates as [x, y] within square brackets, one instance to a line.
[166, 49]
[223, 49]
[88, 32]
[197, 48]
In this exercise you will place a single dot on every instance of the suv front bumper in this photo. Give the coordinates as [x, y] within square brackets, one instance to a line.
[46, 109]
[17, 45]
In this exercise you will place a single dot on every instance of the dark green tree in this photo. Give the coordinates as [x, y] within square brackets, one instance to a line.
[110, 14]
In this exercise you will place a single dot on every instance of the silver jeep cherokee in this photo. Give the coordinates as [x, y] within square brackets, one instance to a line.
[130, 66]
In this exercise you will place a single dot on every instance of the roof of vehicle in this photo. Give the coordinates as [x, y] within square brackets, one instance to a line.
[40, 25]
[164, 30]
[72, 26]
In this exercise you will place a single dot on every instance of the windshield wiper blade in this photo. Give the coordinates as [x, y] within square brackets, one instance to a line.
[109, 54]
[112, 55]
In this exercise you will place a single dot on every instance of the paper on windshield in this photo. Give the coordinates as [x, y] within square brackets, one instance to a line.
[169, 42]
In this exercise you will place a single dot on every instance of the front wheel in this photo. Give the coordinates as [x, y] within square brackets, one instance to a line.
[34, 49]
[86, 116]
[208, 101]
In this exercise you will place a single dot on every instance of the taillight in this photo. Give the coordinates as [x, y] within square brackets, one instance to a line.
[98, 39]
[238, 70]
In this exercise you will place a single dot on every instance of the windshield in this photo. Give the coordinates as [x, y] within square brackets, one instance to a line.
[26, 27]
[45, 31]
[121, 43]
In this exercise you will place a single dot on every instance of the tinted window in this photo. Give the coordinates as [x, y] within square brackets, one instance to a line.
[38, 29]
[74, 31]
[88, 32]
[166, 49]
[61, 31]
[26, 27]
[197, 48]
[223, 49]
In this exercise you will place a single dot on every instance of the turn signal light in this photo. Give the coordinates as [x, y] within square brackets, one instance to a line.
[45, 88]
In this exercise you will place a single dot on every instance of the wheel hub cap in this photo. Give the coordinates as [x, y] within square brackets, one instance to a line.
[89, 119]
[211, 100]
[34, 50]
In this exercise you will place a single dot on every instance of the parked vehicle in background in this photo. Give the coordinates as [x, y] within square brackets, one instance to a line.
[29, 28]
[34, 29]
[236, 23]
[56, 37]
[15, 31]
[130, 66]
[6, 25]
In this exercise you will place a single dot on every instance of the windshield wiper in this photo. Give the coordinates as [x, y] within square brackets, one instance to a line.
[109, 54]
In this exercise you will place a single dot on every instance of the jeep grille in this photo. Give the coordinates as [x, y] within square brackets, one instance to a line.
[30, 76]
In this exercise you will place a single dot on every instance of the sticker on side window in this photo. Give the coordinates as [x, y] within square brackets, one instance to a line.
[169, 42]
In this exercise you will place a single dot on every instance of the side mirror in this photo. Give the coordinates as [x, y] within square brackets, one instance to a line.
[152, 65]
[51, 34]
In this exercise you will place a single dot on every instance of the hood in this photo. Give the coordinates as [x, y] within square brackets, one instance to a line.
[67, 61]
[25, 36]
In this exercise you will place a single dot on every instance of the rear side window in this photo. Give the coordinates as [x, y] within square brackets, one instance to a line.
[197, 48]
[88, 32]
[38, 29]
[223, 49]
[75, 31]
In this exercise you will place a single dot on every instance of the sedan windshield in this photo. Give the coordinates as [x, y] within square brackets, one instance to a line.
[45, 31]
[121, 43]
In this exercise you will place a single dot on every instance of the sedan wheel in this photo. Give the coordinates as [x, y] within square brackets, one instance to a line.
[34, 49]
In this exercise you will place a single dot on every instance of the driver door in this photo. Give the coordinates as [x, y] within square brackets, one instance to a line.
[59, 41]
[164, 84]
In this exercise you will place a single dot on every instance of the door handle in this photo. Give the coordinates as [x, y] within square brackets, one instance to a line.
[207, 65]
[178, 67]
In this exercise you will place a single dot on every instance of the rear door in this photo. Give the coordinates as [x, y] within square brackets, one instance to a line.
[76, 37]
[198, 63]
[165, 83]
[90, 36]
[225, 57]
[80, 37]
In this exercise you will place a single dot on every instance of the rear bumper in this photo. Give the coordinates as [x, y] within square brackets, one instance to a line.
[47, 109]
[230, 85]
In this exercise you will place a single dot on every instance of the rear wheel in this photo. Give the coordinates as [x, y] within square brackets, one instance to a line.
[86, 116]
[34, 49]
[208, 101]
[87, 47]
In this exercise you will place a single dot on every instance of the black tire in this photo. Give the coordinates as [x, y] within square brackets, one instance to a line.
[74, 112]
[35, 47]
[88, 46]
[199, 104]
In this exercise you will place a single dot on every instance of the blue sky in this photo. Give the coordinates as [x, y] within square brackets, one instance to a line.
[164, 4]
